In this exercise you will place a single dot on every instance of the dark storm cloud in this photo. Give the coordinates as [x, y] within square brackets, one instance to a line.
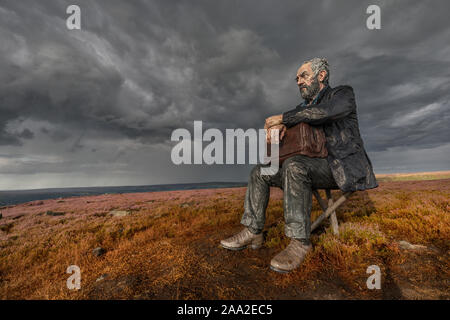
[407, 104]
[138, 70]
[130, 76]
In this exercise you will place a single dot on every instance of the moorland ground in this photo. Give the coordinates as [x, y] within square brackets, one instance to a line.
[165, 245]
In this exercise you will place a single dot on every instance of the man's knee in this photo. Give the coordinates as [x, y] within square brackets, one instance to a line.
[257, 174]
[293, 167]
[256, 171]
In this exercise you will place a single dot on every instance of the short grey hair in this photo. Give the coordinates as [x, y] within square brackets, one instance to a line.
[319, 64]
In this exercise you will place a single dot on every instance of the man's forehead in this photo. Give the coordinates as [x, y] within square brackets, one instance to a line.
[304, 67]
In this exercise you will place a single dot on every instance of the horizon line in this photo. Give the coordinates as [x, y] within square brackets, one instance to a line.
[205, 182]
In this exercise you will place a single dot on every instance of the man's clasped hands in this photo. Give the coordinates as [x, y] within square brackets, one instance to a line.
[275, 123]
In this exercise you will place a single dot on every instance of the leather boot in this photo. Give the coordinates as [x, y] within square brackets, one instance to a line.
[242, 240]
[291, 257]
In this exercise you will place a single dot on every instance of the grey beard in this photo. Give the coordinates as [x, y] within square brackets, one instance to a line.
[311, 91]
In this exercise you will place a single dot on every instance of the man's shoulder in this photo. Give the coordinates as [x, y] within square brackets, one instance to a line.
[340, 91]
[344, 88]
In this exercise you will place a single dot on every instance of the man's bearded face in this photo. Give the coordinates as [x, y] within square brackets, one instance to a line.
[308, 92]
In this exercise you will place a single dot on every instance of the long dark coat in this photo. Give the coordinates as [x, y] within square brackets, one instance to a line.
[335, 111]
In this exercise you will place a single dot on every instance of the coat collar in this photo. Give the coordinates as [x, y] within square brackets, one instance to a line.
[322, 93]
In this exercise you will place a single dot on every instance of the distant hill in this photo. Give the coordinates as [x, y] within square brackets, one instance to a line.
[21, 196]
[431, 175]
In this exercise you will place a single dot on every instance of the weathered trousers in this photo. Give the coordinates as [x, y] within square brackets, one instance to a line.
[297, 177]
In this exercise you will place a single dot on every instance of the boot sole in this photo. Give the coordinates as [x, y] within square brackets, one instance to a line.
[254, 247]
[279, 270]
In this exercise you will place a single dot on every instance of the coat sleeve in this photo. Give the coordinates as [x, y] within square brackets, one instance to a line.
[341, 104]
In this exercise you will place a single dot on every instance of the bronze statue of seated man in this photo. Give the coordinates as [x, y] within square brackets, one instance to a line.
[346, 165]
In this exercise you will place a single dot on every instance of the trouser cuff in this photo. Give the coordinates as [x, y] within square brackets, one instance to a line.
[251, 227]
[296, 231]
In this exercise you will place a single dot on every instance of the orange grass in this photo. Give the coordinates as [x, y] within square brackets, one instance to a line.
[168, 247]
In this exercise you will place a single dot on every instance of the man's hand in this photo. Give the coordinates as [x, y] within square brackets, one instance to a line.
[273, 121]
[281, 130]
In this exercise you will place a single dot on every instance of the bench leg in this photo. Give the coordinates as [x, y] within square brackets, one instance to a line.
[322, 203]
[333, 218]
[330, 210]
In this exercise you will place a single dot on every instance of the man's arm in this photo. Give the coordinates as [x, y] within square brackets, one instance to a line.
[340, 105]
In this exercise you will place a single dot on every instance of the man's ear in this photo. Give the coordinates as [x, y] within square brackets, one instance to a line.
[322, 75]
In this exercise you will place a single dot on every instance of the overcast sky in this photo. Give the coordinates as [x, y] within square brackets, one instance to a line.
[97, 106]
